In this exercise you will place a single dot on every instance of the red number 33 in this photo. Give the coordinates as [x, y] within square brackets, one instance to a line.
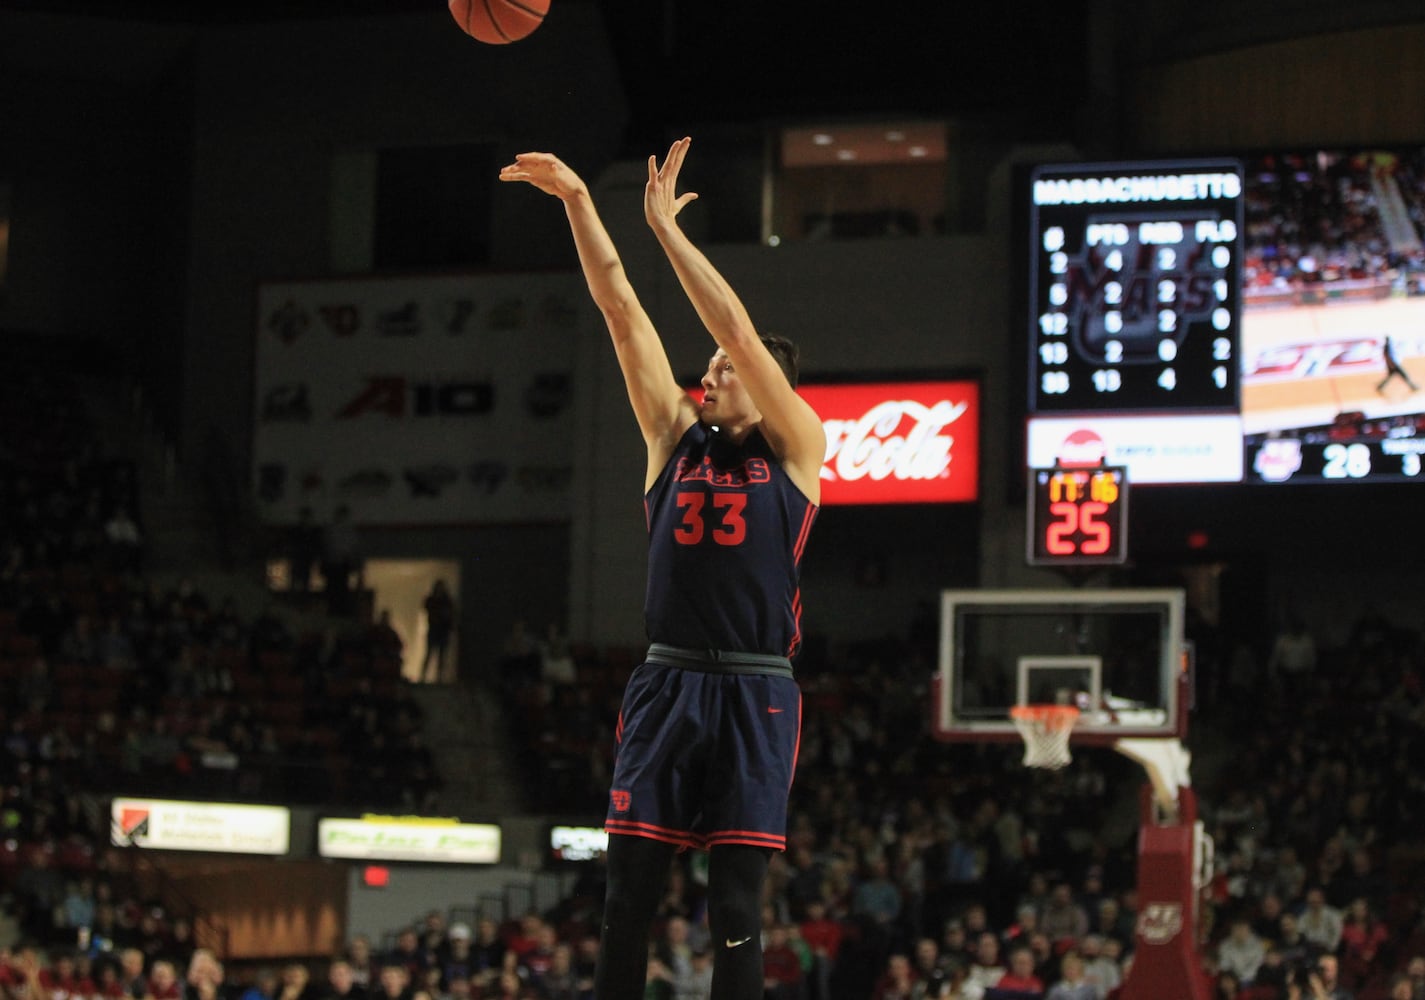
[731, 528]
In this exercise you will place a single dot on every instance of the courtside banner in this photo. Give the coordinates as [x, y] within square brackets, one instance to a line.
[426, 400]
[214, 827]
[409, 839]
[899, 442]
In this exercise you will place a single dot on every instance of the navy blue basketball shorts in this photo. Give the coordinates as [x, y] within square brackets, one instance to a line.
[705, 757]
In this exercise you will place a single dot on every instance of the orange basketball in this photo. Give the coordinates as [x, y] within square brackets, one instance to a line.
[498, 22]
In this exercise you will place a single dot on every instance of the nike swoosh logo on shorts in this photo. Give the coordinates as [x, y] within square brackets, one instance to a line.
[733, 944]
[774, 711]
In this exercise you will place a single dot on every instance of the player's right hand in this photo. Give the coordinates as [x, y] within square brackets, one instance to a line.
[545, 171]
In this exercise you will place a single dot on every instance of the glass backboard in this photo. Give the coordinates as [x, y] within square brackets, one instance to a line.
[1117, 655]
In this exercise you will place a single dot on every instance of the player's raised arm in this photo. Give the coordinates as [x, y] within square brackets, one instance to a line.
[790, 425]
[663, 410]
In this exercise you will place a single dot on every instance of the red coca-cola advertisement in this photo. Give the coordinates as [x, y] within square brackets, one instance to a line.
[899, 442]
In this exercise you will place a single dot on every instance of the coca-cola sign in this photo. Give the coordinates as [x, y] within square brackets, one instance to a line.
[899, 442]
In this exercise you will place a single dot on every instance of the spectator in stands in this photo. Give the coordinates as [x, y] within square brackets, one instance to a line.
[1324, 981]
[1227, 986]
[876, 904]
[556, 662]
[393, 982]
[341, 561]
[519, 658]
[459, 958]
[264, 986]
[364, 970]
[931, 973]
[1063, 919]
[1293, 656]
[163, 982]
[1320, 923]
[1071, 984]
[1242, 951]
[985, 969]
[1046, 957]
[124, 540]
[658, 980]
[341, 983]
[560, 981]
[407, 953]
[178, 945]
[133, 972]
[1101, 969]
[62, 980]
[487, 952]
[781, 966]
[695, 984]
[1363, 936]
[440, 627]
[1362, 880]
[897, 980]
[823, 936]
[1271, 979]
[675, 947]
[538, 959]
[1019, 978]
[205, 978]
[304, 550]
[295, 983]
[20, 976]
[1415, 972]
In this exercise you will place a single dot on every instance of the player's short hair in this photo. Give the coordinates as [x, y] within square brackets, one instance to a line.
[786, 354]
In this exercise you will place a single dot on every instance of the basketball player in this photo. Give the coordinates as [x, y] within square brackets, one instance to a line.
[710, 721]
[1393, 369]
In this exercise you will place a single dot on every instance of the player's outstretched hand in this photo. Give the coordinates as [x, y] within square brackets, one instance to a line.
[545, 171]
[661, 201]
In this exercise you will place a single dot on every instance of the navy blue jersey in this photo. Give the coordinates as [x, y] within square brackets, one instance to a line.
[726, 530]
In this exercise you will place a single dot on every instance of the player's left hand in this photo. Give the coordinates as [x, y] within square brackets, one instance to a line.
[661, 202]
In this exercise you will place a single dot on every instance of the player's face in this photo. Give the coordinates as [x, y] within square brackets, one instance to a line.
[725, 400]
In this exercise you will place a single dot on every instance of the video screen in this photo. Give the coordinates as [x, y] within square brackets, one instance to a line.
[1196, 329]
[1333, 315]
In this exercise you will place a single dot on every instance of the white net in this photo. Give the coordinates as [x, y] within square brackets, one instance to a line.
[1046, 730]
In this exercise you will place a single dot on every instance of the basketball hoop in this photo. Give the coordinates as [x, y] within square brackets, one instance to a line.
[1046, 730]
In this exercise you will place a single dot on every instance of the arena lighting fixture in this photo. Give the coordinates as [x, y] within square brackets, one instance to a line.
[846, 154]
[886, 142]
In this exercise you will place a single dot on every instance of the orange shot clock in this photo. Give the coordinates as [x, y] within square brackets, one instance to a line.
[1077, 516]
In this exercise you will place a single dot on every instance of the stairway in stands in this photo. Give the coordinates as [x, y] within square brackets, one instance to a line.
[466, 733]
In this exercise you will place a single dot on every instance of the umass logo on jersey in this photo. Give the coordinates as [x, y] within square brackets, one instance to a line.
[754, 470]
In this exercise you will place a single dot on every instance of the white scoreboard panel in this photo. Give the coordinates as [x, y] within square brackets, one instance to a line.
[1135, 285]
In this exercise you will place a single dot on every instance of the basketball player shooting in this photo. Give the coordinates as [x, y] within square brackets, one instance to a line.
[708, 729]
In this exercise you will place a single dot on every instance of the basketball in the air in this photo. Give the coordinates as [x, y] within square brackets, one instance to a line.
[498, 22]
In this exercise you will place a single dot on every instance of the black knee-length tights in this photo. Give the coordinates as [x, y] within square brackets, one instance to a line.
[637, 871]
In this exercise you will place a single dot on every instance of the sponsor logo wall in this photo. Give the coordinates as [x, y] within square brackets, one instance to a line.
[416, 400]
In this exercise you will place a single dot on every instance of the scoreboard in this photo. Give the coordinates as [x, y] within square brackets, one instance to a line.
[1135, 283]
